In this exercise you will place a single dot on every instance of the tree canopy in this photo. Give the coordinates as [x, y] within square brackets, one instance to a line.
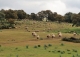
[51, 16]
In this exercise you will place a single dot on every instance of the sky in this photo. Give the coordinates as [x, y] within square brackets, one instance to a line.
[35, 6]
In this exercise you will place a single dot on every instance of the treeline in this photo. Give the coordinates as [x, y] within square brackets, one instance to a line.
[69, 17]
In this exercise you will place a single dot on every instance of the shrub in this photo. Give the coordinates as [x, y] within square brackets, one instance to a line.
[71, 39]
[1, 50]
[49, 44]
[45, 45]
[27, 46]
[16, 48]
[56, 47]
[53, 51]
[13, 40]
[58, 51]
[68, 50]
[73, 56]
[49, 51]
[74, 50]
[17, 56]
[0, 45]
[64, 39]
[62, 52]
[60, 56]
[76, 54]
[39, 45]
[41, 38]
[62, 44]
[35, 46]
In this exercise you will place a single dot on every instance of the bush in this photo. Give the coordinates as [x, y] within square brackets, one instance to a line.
[27, 46]
[1, 50]
[45, 46]
[77, 55]
[56, 47]
[49, 44]
[35, 46]
[0, 45]
[58, 51]
[41, 38]
[53, 51]
[17, 56]
[69, 52]
[16, 48]
[49, 51]
[62, 44]
[62, 52]
[71, 39]
[73, 56]
[39, 45]
[60, 56]
[74, 50]
[6, 26]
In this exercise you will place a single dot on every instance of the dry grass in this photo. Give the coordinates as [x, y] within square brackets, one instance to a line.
[20, 36]
[10, 39]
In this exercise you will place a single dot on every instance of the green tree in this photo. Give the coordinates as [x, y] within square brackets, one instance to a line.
[60, 18]
[33, 16]
[47, 13]
[41, 15]
[67, 17]
[11, 23]
[21, 14]
[2, 17]
[76, 19]
[10, 14]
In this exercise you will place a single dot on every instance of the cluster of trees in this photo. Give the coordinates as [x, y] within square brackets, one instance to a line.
[14, 14]
[8, 16]
[72, 18]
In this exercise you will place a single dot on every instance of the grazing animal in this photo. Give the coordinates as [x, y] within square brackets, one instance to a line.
[53, 36]
[74, 34]
[38, 36]
[59, 34]
[16, 27]
[34, 34]
[48, 36]
[26, 27]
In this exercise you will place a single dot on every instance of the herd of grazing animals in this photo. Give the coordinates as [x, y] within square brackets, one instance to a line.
[47, 27]
[34, 34]
[37, 25]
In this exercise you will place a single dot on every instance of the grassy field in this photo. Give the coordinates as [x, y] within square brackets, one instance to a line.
[19, 42]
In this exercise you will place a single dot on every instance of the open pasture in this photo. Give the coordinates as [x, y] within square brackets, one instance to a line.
[19, 42]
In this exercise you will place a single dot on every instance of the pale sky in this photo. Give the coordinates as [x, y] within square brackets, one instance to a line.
[34, 6]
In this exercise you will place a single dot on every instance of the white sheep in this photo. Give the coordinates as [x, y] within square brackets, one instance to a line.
[34, 34]
[15, 27]
[44, 29]
[38, 36]
[74, 34]
[53, 36]
[26, 27]
[48, 36]
[59, 34]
